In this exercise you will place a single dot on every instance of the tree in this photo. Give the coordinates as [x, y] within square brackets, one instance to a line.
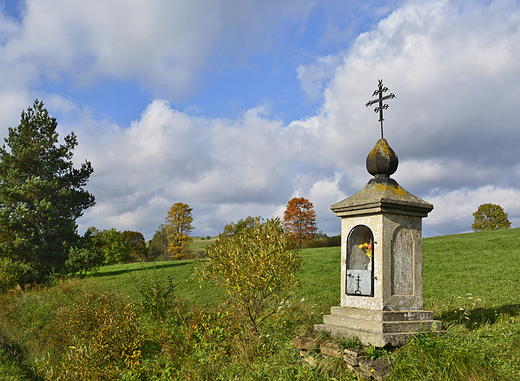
[87, 256]
[490, 217]
[115, 248]
[136, 245]
[41, 193]
[83, 260]
[232, 228]
[178, 227]
[256, 267]
[158, 246]
[299, 220]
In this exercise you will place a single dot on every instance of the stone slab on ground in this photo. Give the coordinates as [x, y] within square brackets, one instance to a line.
[331, 349]
[353, 358]
[377, 368]
[304, 342]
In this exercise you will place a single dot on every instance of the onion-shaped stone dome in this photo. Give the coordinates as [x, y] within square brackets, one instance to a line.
[382, 160]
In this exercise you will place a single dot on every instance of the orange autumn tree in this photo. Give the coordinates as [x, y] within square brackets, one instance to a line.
[299, 220]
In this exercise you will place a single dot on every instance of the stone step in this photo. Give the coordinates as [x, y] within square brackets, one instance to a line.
[378, 339]
[374, 315]
[381, 326]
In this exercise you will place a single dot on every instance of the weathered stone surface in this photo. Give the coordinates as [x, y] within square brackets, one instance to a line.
[378, 328]
[382, 160]
[303, 342]
[382, 195]
[377, 368]
[352, 368]
[374, 315]
[353, 358]
[368, 338]
[330, 349]
[386, 285]
[311, 360]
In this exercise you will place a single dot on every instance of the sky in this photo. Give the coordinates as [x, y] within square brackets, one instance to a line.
[236, 106]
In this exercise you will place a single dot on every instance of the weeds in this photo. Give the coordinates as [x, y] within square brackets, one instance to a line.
[157, 292]
[352, 343]
[103, 340]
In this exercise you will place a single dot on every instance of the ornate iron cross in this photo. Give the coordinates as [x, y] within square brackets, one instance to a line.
[380, 90]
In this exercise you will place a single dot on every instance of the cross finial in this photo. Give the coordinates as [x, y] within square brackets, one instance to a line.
[380, 90]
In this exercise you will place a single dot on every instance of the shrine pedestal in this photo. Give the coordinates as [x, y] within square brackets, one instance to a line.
[378, 328]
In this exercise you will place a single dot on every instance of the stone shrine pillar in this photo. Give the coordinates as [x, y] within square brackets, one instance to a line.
[381, 260]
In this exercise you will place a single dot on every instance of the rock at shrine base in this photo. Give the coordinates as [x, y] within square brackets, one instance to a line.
[378, 328]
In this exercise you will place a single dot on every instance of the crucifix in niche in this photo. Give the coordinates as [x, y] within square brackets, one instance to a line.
[379, 92]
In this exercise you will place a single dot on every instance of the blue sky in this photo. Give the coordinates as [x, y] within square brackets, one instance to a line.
[234, 107]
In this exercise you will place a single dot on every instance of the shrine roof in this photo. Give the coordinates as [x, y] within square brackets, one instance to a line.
[382, 195]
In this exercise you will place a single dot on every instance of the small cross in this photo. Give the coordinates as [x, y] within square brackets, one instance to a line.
[380, 100]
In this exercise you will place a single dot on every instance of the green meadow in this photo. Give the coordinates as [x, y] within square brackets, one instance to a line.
[154, 321]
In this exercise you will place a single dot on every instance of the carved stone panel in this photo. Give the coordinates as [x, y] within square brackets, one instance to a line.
[403, 269]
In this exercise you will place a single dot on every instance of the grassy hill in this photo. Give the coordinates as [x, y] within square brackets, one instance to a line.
[471, 282]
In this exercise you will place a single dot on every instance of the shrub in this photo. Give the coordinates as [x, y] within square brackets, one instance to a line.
[83, 260]
[14, 273]
[157, 293]
[104, 342]
[256, 268]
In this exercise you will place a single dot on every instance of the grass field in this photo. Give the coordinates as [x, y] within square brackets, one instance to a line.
[471, 283]
[199, 243]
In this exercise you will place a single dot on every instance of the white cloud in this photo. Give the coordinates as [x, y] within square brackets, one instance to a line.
[454, 67]
[315, 76]
[437, 57]
[169, 156]
[454, 209]
[163, 44]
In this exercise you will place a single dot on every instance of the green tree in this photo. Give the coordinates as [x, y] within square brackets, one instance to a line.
[179, 227]
[115, 248]
[87, 256]
[232, 228]
[256, 267]
[82, 260]
[158, 245]
[490, 217]
[41, 193]
[136, 245]
[299, 220]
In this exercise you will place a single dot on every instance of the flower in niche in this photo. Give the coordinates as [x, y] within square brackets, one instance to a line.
[367, 246]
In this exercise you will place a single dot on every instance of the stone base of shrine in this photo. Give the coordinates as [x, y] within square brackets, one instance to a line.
[378, 328]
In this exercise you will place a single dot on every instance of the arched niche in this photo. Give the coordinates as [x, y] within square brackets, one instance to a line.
[360, 262]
